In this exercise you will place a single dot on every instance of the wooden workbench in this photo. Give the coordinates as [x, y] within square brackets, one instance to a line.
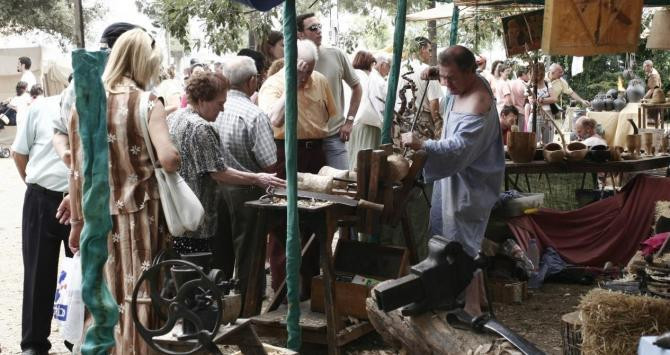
[658, 120]
[584, 166]
[321, 219]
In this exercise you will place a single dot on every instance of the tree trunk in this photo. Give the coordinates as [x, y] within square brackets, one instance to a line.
[426, 334]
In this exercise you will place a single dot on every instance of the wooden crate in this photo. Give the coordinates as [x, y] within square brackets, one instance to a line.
[374, 261]
[590, 27]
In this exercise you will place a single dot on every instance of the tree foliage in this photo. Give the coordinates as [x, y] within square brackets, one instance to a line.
[55, 17]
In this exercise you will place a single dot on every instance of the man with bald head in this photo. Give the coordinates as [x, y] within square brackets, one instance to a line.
[586, 131]
[466, 164]
[559, 86]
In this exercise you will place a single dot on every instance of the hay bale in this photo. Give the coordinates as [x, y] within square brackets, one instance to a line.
[613, 322]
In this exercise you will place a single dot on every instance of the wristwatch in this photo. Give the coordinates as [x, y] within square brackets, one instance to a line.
[349, 119]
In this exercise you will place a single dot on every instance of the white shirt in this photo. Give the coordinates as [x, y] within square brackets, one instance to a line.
[33, 138]
[434, 89]
[594, 140]
[29, 78]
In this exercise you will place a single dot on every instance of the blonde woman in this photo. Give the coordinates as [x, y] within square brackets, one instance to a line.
[138, 229]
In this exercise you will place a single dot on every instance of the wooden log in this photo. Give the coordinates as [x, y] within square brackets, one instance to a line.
[571, 333]
[425, 334]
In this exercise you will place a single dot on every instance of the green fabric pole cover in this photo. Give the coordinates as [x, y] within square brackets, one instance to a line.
[92, 110]
[453, 36]
[290, 147]
[398, 41]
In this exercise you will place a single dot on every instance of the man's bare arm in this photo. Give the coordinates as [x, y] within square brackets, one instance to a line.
[62, 146]
[21, 161]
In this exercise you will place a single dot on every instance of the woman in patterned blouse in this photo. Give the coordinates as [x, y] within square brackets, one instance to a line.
[197, 140]
[138, 227]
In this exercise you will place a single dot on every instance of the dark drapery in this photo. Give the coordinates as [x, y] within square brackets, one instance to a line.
[608, 230]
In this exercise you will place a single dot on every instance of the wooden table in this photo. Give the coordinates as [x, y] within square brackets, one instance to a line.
[642, 114]
[323, 221]
[584, 166]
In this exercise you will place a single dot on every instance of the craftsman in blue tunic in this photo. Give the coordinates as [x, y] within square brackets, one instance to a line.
[467, 164]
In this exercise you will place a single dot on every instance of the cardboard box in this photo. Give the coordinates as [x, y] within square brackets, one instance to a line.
[365, 260]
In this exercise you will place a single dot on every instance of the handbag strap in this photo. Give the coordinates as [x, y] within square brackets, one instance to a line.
[144, 121]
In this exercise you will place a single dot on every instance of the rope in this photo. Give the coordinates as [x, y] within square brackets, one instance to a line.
[290, 136]
[92, 110]
[398, 41]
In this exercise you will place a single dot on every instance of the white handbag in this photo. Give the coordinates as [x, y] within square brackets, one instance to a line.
[367, 114]
[181, 207]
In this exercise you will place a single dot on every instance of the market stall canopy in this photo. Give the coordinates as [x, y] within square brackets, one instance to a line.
[436, 13]
[262, 5]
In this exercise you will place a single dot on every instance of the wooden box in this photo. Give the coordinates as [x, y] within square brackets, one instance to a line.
[590, 27]
[365, 259]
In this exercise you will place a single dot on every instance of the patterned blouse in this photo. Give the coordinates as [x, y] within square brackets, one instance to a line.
[200, 150]
[131, 176]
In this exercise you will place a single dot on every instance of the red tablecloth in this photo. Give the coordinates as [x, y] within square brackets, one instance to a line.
[608, 230]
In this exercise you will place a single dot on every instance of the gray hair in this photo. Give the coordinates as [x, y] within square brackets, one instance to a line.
[382, 58]
[554, 66]
[648, 62]
[239, 70]
[307, 51]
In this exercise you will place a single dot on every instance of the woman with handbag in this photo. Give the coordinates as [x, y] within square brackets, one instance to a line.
[203, 165]
[546, 107]
[366, 132]
[138, 227]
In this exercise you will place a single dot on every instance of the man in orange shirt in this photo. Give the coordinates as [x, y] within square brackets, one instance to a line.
[316, 107]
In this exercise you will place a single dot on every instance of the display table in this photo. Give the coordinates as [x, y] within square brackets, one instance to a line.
[584, 166]
[659, 109]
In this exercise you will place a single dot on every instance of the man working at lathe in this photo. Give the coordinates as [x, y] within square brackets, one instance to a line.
[466, 163]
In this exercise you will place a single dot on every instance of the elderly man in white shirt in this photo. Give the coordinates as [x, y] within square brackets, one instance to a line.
[586, 131]
[45, 175]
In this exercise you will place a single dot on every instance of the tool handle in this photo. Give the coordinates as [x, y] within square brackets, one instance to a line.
[371, 205]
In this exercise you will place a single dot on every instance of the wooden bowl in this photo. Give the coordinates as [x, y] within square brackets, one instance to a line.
[599, 153]
[521, 146]
[576, 151]
[553, 153]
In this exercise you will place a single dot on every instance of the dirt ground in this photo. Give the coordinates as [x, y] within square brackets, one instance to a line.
[537, 319]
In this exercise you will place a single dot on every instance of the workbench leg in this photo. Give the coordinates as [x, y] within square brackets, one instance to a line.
[253, 298]
[527, 182]
[334, 323]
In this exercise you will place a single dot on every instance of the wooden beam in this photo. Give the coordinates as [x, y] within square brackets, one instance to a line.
[79, 24]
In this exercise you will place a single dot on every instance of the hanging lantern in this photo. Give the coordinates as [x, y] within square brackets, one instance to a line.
[262, 5]
[660, 27]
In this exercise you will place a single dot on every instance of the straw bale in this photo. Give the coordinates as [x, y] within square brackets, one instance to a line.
[613, 322]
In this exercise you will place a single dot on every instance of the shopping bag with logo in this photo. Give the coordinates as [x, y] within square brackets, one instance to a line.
[68, 303]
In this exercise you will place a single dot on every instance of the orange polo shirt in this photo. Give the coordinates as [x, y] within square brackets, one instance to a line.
[315, 104]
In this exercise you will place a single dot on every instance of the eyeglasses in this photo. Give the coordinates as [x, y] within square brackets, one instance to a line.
[315, 27]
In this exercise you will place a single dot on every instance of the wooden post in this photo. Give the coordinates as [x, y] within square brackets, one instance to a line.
[79, 24]
[432, 35]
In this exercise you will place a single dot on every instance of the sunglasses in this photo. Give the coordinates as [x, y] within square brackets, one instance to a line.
[315, 27]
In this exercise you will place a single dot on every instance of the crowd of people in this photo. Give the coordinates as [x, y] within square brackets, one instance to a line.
[222, 130]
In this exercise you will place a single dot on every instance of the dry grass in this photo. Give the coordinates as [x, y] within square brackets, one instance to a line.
[612, 322]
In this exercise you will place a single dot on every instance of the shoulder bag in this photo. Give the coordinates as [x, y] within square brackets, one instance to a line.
[181, 207]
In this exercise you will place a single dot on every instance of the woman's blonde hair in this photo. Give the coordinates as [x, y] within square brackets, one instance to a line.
[135, 56]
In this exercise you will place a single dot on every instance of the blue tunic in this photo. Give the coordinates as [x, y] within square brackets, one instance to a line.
[467, 166]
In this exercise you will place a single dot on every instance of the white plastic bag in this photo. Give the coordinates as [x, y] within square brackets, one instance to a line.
[68, 304]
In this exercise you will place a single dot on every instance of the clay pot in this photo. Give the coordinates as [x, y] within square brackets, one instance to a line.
[633, 144]
[613, 93]
[598, 103]
[576, 151]
[521, 146]
[553, 153]
[609, 103]
[599, 153]
[619, 104]
[616, 153]
[648, 142]
[635, 91]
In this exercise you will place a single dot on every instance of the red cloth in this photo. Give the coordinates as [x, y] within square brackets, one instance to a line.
[608, 230]
[651, 245]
